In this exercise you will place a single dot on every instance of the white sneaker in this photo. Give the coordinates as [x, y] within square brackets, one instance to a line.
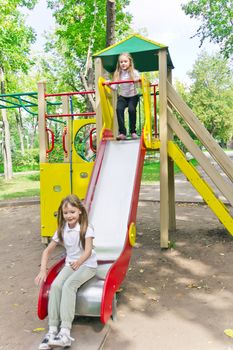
[44, 345]
[61, 339]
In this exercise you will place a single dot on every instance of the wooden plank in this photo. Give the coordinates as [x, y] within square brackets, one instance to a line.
[99, 123]
[164, 202]
[43, 141]
[208, 141]
[204, 162]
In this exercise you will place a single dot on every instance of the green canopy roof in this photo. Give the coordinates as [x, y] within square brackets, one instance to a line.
[143, 51]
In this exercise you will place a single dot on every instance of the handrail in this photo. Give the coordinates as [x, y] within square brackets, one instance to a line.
[91, 140]
[64, 141]
[204, 136]
[70, 93]
[118, 82]
[52, 141]
[202, 159]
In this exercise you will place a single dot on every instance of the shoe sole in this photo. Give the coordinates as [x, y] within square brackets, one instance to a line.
[61, 347]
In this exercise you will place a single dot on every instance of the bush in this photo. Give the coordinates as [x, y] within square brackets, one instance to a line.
[28, 161]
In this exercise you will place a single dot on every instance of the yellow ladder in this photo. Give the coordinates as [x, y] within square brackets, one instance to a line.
[215, 204]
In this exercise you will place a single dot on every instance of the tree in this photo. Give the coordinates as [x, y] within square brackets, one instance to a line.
[217, 22]
[81, 31]
[211, 95]
[111, 22]
[15, 40]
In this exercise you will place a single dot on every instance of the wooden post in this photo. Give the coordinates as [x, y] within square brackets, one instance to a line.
[43, 140]
[164, 202]
[171, 178]
[99, 71]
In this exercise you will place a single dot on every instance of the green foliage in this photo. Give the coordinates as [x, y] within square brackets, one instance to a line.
[211, 95]
[15, 37]
[216, 21]
[29, 161]
[80, 32]
[151, 170]
[171, 245]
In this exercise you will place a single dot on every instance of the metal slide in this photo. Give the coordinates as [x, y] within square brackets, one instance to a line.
[112, 200]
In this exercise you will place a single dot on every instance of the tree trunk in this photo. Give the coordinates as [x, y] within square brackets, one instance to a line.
[6, 138]
[20, 130]
[33, 136]
[111, 21]
[87, 76]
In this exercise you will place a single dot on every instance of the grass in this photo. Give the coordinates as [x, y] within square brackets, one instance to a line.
[29, 185]
[20, 186]
[151, 170]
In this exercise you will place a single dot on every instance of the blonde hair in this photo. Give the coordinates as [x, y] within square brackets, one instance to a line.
[74, 201]
[116, 75]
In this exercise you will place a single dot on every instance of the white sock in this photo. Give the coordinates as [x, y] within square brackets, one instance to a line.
[53, 329]
[65, 331]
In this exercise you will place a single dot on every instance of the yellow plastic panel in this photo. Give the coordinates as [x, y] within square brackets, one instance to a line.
[81, 177]
[77, 125]
[147, 111]
[106, 104]
[54, 185]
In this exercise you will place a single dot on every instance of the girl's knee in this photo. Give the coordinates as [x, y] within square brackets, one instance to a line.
[120, 109]
[55, 287]
[132, 110]
[71, 285]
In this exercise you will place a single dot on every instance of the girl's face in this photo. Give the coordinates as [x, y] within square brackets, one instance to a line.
[70, 215]
[124, 62]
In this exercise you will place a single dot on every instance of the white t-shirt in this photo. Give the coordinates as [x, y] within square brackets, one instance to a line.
[127, 89]
[74, 250]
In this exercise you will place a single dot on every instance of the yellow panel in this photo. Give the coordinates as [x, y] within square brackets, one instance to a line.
[78, 124]
[106, 104]
[81, 177]
[147, 111]
[54, 185]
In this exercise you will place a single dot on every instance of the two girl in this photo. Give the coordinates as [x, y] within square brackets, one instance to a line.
[80, 265]
[127, 94]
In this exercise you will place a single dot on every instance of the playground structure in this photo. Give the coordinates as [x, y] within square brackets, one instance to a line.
[111, 184]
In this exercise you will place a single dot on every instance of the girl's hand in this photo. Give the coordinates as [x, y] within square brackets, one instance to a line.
[40, 278]
[75, 265]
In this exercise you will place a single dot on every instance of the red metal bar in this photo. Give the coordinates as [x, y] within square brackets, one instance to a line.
[52, 141]
[91, 140]
[155, 108]
[71, 93]
[155, 115]
[69, 115]
[64, 141]
[121, 82]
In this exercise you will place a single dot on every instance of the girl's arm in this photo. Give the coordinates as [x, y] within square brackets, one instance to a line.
[41, 277]
[86, 254]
